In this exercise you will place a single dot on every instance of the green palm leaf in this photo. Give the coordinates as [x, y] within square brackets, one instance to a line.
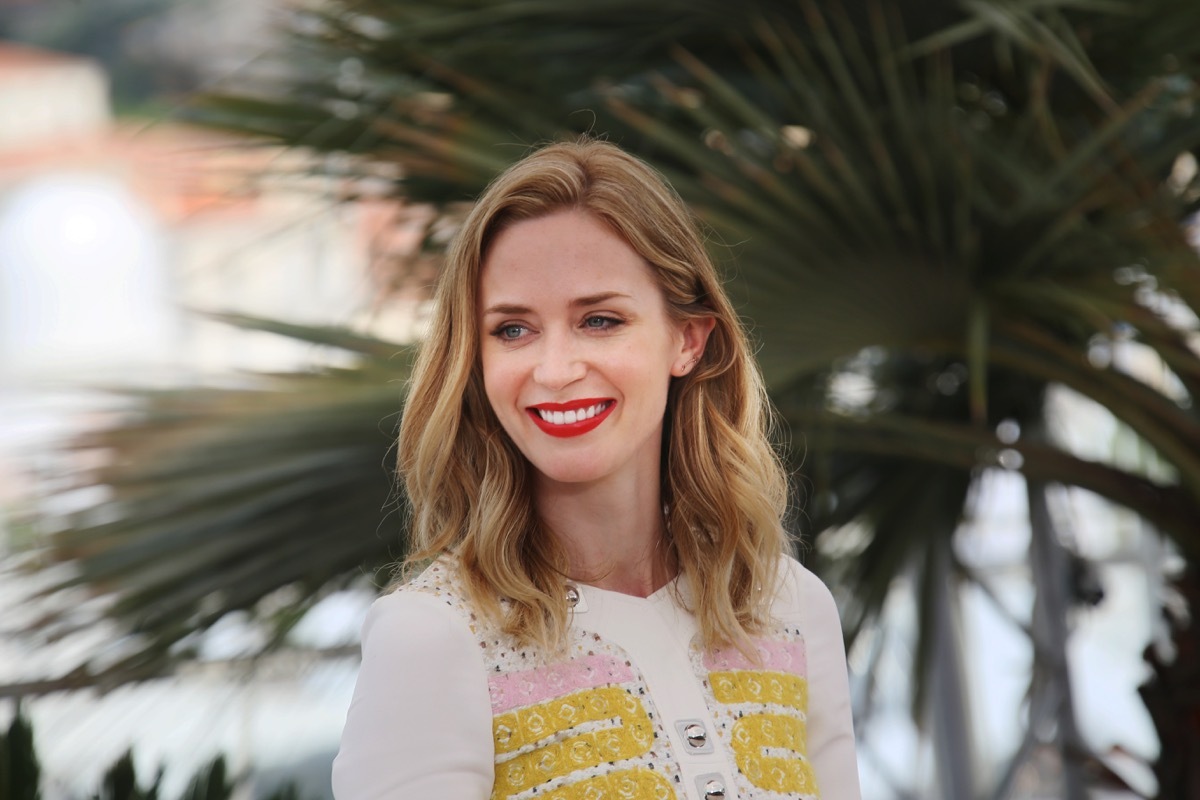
[219, 497]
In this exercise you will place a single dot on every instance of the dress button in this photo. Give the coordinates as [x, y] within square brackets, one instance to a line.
[711, 785]
[695, 734]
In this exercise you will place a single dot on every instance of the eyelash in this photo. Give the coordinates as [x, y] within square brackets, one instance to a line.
[507, 326]
[608, 323]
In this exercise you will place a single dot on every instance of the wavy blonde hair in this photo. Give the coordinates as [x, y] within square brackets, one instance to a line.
[723, 486]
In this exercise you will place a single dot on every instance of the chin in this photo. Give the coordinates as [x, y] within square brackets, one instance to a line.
[568, 475]
[578, 470]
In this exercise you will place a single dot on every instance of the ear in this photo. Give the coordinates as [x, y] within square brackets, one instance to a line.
[693, 337]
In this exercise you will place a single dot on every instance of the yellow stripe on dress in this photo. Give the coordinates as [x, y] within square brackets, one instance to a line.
[522, 764]
[758, 736]
[624, 784]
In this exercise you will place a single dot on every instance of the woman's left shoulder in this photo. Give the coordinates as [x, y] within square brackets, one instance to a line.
[801, 596]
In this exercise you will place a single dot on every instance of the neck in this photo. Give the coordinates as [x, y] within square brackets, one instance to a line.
[614, 536]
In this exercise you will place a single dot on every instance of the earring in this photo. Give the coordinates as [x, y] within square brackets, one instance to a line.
[686, 368]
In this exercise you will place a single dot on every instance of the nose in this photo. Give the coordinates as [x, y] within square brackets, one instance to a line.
[560, 364]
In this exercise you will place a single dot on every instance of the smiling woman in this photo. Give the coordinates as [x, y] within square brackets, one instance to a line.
[573, 321]
[599, 601]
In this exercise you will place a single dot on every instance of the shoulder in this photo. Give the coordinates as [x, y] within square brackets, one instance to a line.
[419, 723]
[440, 579]
[429, 611]
[801, 597]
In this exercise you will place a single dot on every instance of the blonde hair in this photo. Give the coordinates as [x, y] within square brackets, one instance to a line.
[723, 487]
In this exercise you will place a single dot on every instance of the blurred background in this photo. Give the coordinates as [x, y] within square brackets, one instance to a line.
[962, 234]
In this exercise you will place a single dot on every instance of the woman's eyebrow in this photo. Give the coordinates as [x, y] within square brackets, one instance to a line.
[597, 299]
[506, 308]
[578, 302]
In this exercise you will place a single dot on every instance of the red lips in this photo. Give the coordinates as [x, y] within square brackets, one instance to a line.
[580, 426]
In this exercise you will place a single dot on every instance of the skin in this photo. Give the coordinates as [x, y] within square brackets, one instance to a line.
[571, 316]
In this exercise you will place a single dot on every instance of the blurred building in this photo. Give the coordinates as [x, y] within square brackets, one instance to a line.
[112, 235]
[48, 99]
[108, 231]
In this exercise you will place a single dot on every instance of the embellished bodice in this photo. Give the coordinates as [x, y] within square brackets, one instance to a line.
[637, 710]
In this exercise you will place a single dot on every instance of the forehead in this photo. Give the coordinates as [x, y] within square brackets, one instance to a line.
[561, 256]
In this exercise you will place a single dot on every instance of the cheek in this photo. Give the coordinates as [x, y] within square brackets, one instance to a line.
[491, 384]
[498, 386]
[650, 378]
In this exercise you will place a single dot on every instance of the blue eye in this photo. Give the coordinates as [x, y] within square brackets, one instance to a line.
[509, 331]
[601, 322]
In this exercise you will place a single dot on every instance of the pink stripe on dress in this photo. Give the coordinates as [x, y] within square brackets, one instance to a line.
[779, 656]
[531, 686]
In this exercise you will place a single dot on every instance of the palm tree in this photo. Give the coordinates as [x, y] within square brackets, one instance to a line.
[946, 204]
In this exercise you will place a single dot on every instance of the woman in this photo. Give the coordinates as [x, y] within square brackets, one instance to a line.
[609, 611]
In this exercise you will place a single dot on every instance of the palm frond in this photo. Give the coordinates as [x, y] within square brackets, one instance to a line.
[219, 497]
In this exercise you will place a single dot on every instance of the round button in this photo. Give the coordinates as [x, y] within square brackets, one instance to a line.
[695, 735]
[714, 790]
[572, 596]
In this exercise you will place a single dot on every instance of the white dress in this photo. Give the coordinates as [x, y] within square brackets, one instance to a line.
[447, 708]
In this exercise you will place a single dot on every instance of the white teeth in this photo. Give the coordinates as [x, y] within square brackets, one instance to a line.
[567, 417]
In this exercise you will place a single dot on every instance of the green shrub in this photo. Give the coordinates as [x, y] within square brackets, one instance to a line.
[120, 782]
[20, 774]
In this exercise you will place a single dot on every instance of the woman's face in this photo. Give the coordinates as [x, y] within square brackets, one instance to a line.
[578, 350]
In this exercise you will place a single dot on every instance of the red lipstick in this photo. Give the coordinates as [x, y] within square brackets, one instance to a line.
[560, 427]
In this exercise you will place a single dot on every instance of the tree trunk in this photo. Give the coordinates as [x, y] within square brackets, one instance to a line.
[1051, 687]
[1172, 696]
[948, 696]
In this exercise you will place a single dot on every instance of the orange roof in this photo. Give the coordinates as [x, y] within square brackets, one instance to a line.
[18, 57]
[179, 170]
